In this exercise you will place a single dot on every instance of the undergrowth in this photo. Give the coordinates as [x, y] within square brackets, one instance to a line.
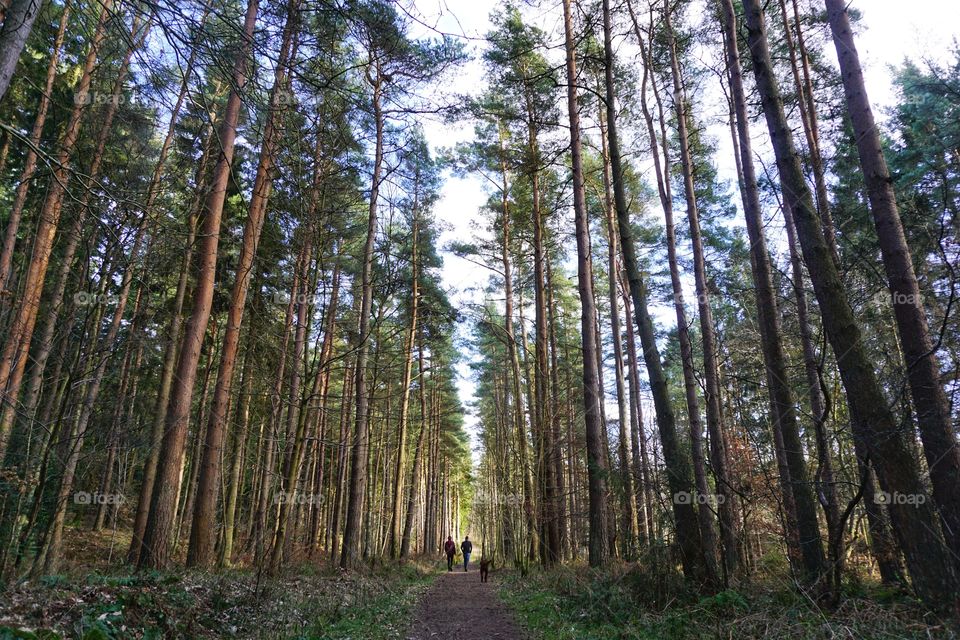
[311, 603]
[577, 603]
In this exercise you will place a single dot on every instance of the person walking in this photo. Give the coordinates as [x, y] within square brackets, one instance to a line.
[450, 547]
[467, 548]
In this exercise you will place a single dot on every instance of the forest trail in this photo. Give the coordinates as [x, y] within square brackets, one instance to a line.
[460, 607]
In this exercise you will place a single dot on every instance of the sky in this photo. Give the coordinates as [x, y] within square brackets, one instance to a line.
[892, 31]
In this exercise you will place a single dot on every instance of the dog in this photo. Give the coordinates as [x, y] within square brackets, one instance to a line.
[485, 566]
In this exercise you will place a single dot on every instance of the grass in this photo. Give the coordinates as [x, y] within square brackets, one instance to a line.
[378, 613]
[577, 603]
[315, 602]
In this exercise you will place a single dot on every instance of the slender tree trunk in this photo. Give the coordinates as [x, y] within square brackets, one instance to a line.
[897, 470]
[296, 428]
[679, 474]
[361, 435]
[920, 355]
[395, 531]
[541, 406]
[808, 117]
[783, 408]
[18, 21]
[30, 162]
[20, 333]
[638, 438]
[157, 534]
[163, 398]
[236, 467]
[560, 510]
[203, 531]
[519, 422]
[631, 528]
[596, 467]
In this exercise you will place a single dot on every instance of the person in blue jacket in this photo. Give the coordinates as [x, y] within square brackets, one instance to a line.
[467, 548]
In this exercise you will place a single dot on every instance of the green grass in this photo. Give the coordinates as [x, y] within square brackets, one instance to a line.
[380, 612]
[319, 603]
[627, 603]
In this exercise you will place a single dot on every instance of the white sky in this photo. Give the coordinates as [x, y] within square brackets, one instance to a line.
[892, 30]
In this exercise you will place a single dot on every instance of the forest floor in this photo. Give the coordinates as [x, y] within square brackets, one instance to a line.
[628, 602]
[460, 607]
[96, 597]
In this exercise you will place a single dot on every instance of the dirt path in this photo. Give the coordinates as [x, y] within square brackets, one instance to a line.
[460, 607]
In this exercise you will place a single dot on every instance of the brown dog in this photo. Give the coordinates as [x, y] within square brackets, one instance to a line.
[485, 566]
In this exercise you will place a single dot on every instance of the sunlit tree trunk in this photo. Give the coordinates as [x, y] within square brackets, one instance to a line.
[13, 357]
[30, 162]
[157, 534]
[203, 531]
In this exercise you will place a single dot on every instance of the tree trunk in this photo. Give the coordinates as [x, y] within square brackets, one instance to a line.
[596, 467]
[203, 530]
[395, 532]
[783, 409]
[519, 421]
[361, 435]
[915, 524]
[630, 524]
[679, 473]
[415, 481]
[18, 21]
[30, 162]
[920, 355]
[14, 355]
[157, 534]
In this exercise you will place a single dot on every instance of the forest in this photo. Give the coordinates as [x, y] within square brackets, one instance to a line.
[688, 368]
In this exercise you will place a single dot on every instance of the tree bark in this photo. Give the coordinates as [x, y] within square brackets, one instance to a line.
[157, 534]
[361, 436]
[30, 162]
[596, 458]
[395, 532]
[630, 524]
[914, 524]
[203, 531]
[20, 332]
[920, 354]
[679, 473]
[783, 409]
[18, 21]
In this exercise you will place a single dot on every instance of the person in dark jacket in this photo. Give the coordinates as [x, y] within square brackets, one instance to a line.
[450, 548]
[467, 548]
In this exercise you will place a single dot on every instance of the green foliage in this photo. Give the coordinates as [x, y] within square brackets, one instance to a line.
[379, 613]
[577, 603]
